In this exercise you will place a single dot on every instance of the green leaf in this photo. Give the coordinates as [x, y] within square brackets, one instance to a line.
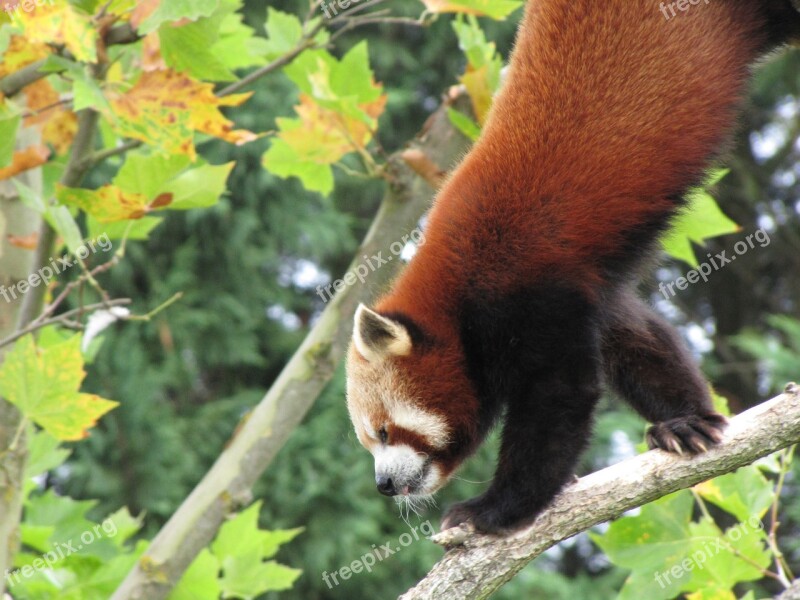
[242, 547]
[147, 174]
[661, 528]
[702, 219]
[85, 90]
[282, 160]
[44, 454]
[237, 46]
[284, 32]
[198, 188]
[745, 493]
[9, 123]
[199, 582]
[464, 124]
[177, 10]
[120, 526]
[58, 217]
[189, 48]
[722, 565]
[137, 229]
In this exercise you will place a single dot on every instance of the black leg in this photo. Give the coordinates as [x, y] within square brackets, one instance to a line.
[537, 459]
[647, 364]
[549, 377]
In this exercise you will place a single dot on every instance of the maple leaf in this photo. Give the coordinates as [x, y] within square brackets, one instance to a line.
[24, 242]
[43, 384]
[60, 24]
[23, 160]
[20, 53]
[58, 125]
[109, 203]
[165, 108]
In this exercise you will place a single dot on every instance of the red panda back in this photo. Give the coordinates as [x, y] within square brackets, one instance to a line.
[609, 112]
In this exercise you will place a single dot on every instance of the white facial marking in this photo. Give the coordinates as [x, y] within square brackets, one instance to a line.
[432, 482]
[368, 429]
[426, 424]
[402, 463]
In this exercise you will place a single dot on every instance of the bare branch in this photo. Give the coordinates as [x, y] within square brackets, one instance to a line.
[479, 564]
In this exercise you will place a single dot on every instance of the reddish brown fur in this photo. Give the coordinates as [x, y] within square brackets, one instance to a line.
[609, 113]
[582, 162]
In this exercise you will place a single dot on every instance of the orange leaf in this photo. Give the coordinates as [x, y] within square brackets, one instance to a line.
[29, 158]
[25, 242]
[143, 9]
[60, 129]
[21, 52]
[165, 108]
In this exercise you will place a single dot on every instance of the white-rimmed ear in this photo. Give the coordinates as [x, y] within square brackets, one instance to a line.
[377, 337]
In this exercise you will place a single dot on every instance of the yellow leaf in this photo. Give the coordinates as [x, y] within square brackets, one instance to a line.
[59, 23]
[322, 135]
[21, 52]
[709, 490]
[165, 108]
[480, 94]
[44, 384]
[109, 203]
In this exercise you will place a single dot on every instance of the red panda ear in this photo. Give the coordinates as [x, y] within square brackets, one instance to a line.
[377, 337]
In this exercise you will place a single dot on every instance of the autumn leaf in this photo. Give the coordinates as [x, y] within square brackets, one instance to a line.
[110, 203]
[60, 24]
[482, 75]
[44, 384]
[58, 125]
[340, 103]
[24, 242]
[20, 53]
[24, 160]
[496, 9]
[165, 108]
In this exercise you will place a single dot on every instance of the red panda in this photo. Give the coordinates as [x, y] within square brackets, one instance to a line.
[521, 306]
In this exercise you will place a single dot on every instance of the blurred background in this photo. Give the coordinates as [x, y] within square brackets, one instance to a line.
[249, 267]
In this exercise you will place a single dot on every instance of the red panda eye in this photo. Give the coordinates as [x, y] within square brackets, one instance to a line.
[383, 435]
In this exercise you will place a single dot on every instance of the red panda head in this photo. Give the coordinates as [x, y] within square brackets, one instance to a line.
[410, 402]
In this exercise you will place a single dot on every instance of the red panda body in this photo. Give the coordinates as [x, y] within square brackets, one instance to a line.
[520, 300]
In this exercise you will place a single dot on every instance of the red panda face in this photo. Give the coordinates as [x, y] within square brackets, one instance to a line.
[398, 416]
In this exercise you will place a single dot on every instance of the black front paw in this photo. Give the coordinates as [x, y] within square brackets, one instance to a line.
[486, 515]
[691, 434]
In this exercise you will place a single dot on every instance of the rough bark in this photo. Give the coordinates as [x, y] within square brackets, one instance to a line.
[793, 593]
[227, 486]
[478, 565]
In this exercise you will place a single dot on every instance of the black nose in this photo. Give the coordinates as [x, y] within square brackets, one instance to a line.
[385, 485]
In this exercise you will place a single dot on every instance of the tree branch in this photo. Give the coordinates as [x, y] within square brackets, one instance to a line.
[227, 486]
[479, 564]
[793, 593]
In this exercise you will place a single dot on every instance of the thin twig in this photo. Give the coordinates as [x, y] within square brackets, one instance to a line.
[62, 319]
